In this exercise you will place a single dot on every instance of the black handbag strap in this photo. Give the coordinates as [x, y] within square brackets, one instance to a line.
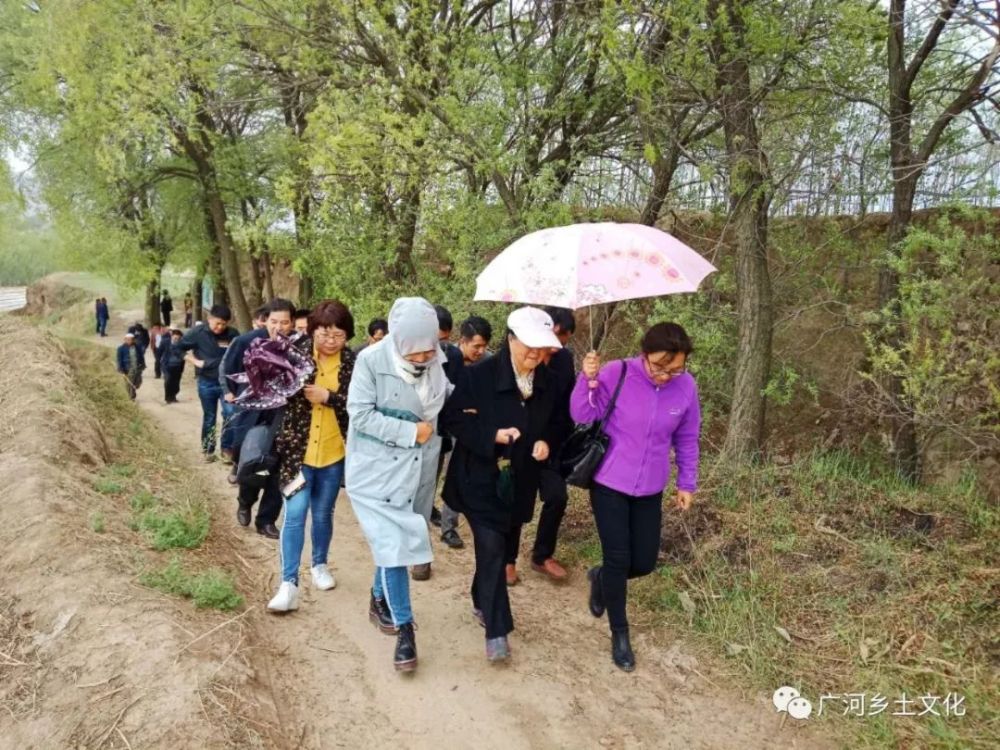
[614, 398]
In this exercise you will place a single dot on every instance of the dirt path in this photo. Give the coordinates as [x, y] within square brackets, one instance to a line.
[332, 680]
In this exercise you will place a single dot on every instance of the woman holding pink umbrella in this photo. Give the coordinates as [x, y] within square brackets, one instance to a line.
[656, 410]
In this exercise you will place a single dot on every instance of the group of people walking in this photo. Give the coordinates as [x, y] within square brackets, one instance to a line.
[388, 420]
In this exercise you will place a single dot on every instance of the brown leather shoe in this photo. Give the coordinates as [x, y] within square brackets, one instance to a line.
[550, 568]
[512, 577]
[420, 572]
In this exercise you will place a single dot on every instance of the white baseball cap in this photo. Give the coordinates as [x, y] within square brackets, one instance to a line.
[130, 335]
[533, 327]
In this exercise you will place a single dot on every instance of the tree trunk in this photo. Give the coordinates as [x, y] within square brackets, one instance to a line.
[301, 208]
[255, 280]
[197, 311]
[255, 296]
[268, 272]
[218, 224]
[663, 177]
[402, 266]
[750, 191]
[153, 302]
[227, 253]
[898, 427]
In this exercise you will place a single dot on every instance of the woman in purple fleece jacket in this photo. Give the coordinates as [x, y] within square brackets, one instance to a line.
[656, 410]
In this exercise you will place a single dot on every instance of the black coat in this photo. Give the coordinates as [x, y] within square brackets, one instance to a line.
[171, 355]
[486, 399]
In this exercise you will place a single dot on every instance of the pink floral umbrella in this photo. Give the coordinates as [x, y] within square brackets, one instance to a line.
[590, 264]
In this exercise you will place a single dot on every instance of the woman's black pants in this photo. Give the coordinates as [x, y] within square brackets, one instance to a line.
[629, 528]
[489, 585]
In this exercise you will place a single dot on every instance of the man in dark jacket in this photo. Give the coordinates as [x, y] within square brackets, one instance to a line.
[172, 365]
[278, 322]
[131, 364]
[206, 345]
[166, 307]
[551, 486]
[447, 518]
[157, 334]
[141, 336]
[101, 316]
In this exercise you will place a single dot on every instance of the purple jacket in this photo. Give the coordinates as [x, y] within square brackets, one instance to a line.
[646, 422]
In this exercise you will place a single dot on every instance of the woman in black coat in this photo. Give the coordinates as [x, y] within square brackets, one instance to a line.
[501, 408]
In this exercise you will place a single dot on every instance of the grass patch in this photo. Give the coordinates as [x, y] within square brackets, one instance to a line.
[830, 575]
[167, 506]
[108, 486]
[183, 528]
[212, 589]
[97, 523]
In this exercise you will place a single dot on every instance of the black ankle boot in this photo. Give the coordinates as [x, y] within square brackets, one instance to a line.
[596, 594]
[378, 613]
[621, 650]
[405, 658]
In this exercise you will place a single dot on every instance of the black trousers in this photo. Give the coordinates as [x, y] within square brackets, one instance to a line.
[172, 383]
[629, 528]
[552, 491]
[157, 369]
[554, 497]
[270, 500]
[489, 585]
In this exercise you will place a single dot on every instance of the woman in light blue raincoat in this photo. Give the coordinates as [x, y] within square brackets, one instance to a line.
[396, 393]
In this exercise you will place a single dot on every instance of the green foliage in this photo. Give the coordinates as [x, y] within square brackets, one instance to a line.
[835, 550]
[946, 352]
[28, 248]
[108, 486]
[212, 588]
[142, 501]
[97, 523]
[182, 528]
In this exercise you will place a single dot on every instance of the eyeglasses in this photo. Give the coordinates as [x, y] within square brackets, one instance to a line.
[662, 371]
[329, 335]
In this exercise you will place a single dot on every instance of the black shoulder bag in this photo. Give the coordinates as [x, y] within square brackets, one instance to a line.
[258, 459]
[584, 450]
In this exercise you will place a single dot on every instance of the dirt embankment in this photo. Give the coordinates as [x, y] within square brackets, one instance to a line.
[88, 659]
[51, 296]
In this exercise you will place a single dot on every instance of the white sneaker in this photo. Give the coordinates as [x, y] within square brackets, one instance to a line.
[286, 599]
[322, 577]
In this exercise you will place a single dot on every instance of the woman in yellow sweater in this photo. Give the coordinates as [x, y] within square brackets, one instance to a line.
[312, 450]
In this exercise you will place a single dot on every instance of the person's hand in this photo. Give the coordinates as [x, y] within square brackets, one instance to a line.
[540, 452]
[684, 500]
[316, 394]
[230, 398]
[508, 435]
[425, 430]
[591, 367]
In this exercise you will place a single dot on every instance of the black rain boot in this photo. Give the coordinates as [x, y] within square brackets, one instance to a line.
[378, 613]
[621, 650]
[596, 594]
[405, 658]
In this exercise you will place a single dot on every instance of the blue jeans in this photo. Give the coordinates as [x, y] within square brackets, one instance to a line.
[319, 495]
[393, 584]
[210, 394]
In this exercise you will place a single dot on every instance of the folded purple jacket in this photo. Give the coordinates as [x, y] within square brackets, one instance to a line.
[646, 422]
